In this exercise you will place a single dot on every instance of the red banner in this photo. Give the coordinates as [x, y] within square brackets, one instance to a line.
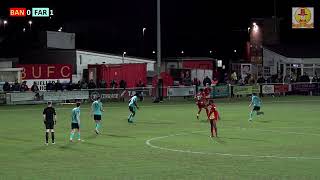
[46, 71]
[283, 88]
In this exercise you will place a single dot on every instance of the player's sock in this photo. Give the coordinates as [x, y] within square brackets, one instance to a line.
[79, 136]
[251, 114]
[52, 137]
[71, 136]
[211, 125]
[130, 116]
[98, 126]
[47, 137]
[130, 120]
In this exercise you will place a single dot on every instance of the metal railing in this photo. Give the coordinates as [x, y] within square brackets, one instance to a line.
[120, 94]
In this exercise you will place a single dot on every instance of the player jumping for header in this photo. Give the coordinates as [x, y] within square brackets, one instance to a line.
[96, 111]
[49, 119]
[132, 107]
[256, 103]
[75, 122]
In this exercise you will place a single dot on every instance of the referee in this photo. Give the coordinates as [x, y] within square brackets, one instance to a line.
[49, 119]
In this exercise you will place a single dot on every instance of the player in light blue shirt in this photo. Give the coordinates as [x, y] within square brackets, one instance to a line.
[132, 107]
[96, 111]
[256, 104]
[75, 122]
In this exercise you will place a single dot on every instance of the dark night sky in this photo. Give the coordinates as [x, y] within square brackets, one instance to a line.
[195, 26]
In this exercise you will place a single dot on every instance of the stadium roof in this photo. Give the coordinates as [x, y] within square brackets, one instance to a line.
[296, 51]
[189, 59]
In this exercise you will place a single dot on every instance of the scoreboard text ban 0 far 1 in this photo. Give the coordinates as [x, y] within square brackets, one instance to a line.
[34, 12]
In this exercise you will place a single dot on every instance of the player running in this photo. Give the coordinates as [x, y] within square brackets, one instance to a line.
[132, 107]
[96, 111]
[75, 122]
[256, 103]
[213, 117]
[49, 119]
[200, 102]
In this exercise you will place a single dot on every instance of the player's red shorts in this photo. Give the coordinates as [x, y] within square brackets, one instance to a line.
[201, 104]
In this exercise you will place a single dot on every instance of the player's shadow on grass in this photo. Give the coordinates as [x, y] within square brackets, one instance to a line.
[263, 121]
[70, 146]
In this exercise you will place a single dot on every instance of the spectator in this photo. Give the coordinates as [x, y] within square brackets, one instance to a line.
[215, 81]
[113, 84]
[78, 85]
[196, 82]
[84, 85]
[16, 86]
[103, 84]
[6, 87]
[123, 84]
[315, 78]
[287, 78]
[53, 88]
[226, 78]
[251, 80]
[269, 79]
[70, 86]
[91, 85]
[234, 78]
[140, 84]
[261, 80]
[187, 79]
[49, 86]
[304, 78]
[241, 81]
[34, 87]
[58, 86]
[246, 79]
[24, 87]
[207, 80]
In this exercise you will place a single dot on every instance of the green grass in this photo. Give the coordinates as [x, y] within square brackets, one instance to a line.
[289, 128]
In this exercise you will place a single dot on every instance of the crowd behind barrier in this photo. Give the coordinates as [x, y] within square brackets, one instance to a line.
[123, 94]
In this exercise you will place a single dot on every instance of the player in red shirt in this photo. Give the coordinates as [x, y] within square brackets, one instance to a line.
[200, 102]
[213, 116]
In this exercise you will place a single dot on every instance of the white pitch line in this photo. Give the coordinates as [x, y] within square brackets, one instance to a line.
[148, 143]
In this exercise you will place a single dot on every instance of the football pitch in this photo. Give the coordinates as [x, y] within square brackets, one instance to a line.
[166, 142]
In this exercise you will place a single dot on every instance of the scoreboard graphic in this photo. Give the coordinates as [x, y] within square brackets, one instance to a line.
[33, 12]
[302, 18]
